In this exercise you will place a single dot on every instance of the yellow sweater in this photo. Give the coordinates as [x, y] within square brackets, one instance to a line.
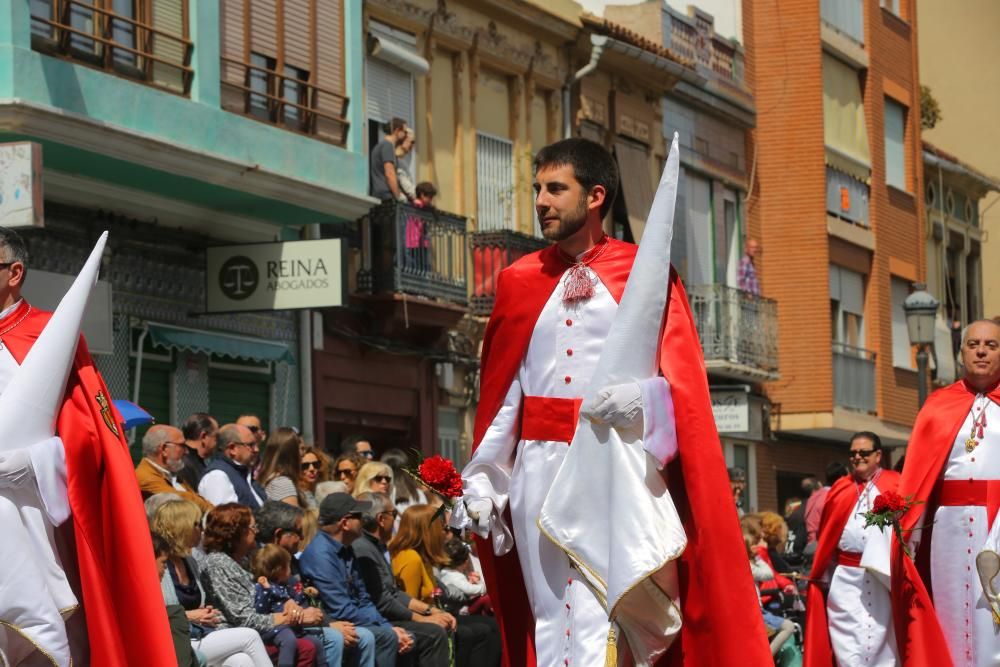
[412, 575]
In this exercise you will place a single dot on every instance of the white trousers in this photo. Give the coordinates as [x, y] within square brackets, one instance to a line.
[859, 616]
[233, 647]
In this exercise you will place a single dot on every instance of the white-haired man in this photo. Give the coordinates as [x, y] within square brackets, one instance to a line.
[162, 459]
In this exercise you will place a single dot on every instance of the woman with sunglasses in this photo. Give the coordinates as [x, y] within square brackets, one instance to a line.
[345, 469]
[374, 476]
[418, 552]
[280, 467]
[314, 468]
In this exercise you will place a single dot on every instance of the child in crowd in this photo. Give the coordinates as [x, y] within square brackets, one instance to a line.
[272, 565]
[463, 590]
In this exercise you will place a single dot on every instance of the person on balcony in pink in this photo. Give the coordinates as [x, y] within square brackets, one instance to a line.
[747, 274]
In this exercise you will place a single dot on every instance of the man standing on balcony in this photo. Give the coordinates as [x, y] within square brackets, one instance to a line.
[383, 182]
[747, 274]
[849, 613]
[554, 309]
[952, 472]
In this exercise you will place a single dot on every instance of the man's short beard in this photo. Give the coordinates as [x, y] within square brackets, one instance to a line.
[175, 465]
[567, 226]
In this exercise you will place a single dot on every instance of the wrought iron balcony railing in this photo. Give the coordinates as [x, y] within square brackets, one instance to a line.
[415, 251]
[738, 331]
[853, 377]
[491, 253]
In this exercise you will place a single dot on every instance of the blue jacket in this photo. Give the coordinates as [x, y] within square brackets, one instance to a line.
[329, 566]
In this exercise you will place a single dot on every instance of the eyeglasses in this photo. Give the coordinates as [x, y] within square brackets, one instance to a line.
[382, 478]
[394, 513]
[368, 454]
[862, 453]
[254, 429]
[306, 465]
[6, 265]
[251, 445]
[346, 472]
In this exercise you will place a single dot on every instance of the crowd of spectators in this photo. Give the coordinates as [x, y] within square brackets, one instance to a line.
[272, 554]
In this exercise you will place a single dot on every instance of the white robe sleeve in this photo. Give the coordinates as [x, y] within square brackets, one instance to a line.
[659, 437]
[487, 475]
[875, 558]
[48, 459]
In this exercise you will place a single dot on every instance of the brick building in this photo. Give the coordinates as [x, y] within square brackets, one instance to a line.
[836, 201]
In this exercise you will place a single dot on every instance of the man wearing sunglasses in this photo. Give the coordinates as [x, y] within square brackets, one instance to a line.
[849, 609]
[952, 473]
[252, 422]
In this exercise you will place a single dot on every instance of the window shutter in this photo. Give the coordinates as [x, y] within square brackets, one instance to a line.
[231, 22]
[901, 357]
[494, 183]
[699, 231]
[389, 92]
[168, 15]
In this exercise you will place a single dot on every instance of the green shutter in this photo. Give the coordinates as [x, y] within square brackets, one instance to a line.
[232, 393]
[154, 397]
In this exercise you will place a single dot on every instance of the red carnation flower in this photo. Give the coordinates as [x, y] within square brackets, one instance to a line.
[439, 473]
[890, 501]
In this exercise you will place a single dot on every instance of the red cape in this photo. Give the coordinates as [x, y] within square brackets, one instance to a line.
[918, 633]
[121, 598]
[840, 500]
[717, 596]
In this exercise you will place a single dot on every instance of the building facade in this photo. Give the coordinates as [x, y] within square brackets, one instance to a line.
[178, 125]
[837, 201]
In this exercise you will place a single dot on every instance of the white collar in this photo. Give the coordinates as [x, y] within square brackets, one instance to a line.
[10, 309]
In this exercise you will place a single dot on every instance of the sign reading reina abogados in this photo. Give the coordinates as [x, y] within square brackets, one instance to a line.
[274, 276]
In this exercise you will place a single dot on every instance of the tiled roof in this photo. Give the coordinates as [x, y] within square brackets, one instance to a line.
[944, 155]
[623, 34]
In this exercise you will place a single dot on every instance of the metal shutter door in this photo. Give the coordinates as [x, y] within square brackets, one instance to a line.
[389, 91]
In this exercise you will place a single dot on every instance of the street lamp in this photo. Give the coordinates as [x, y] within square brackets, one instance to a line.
[921, 310]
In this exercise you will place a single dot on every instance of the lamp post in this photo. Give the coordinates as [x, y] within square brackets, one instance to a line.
[921, 310]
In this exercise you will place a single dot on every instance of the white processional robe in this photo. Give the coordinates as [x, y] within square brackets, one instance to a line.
[571, 624]
[858, 606]
[959, 534]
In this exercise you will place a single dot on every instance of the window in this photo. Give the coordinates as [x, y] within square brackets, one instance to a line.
[846, 16]
[892, 6]
[895, 119]
[261, 85]
[450, 435]
[846, 197]
[494, 183]
[847, 307]
[269, 92]
[901, 356]
[844, 130]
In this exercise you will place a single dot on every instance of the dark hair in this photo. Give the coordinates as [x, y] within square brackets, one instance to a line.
[225, 526]
[269, 561]
[592, 165]
[14, 246]
[275, 515]
[160, 545]
[457, 551]
[394, 125]
[835, 471]
[349, 445]
[196, 423]
[875, 440]
[281, 458]
[426, 188]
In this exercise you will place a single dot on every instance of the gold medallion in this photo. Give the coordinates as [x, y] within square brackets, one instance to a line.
[971, 444]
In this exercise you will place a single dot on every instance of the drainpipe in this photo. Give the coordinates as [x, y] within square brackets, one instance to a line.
[597, 43]
[138, 375]
[305, 359]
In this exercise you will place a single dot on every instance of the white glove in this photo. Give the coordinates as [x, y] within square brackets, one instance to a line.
[15, 468]
[619, 405]
[473, 514]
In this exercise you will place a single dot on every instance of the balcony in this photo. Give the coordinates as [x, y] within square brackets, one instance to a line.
[738, 332]
[415, 251]
[491, 253]
[286, 99]
[693, 36]
[853, 378]
[154, 51]
[847, 197]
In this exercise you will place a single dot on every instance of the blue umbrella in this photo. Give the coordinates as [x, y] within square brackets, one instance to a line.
[132, 414]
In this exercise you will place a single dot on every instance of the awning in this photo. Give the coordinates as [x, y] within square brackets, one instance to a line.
[844, 129]
[220, 344]
[398, 55]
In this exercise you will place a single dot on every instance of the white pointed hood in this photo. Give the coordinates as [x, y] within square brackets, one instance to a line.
[30, 404]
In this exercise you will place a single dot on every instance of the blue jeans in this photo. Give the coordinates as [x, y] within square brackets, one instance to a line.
[361, 655]
[386, 644]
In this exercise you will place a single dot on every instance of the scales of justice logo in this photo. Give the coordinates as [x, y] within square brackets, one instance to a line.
[238, 277]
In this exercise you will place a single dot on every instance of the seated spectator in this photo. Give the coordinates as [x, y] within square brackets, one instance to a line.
[280, 467]
[426, 192]
[779, 629]
[405, 491]
[374, 476]
[425, 622]
[417, 552]
[200, 431]
[230, 530]
[314, 468]
[255, 426]
[154, 502]
[272, 566]
[461, 585]
[186, 655]
[775, 534]
[162, 458]
[345, 469]
[228, 477]
[328, 563]
[179, 522]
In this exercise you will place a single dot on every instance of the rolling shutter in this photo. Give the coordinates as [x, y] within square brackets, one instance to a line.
[154, 397]
[389, 91]
[232, 393]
